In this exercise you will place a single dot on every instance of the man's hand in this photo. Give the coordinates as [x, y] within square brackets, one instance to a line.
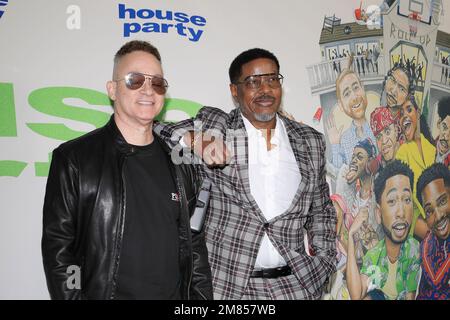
[334, 134]
[356, 282]
[360, 219]
[209, 147]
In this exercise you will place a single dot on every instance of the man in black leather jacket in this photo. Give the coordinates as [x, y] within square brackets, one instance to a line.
[116, 209]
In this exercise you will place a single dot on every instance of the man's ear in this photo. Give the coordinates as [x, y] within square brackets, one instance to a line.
[233, 90]
[111, 89]
[234, 93]
[378, 213]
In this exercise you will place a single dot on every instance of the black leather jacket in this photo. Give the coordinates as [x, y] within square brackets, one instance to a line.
[84, 213]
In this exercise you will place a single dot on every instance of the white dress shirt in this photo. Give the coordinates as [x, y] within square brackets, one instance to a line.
[274, 179]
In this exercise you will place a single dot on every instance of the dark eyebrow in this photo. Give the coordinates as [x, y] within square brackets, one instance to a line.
[443, 195]
[395, 189]
[359, 153]
[427, 204]
[403, 87]
[390, 191]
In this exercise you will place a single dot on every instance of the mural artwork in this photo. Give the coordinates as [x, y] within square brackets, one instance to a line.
[384, 87]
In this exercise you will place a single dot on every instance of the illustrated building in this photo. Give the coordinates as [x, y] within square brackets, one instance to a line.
[376, 51]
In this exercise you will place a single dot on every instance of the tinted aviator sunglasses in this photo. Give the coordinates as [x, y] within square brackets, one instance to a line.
[136, 80]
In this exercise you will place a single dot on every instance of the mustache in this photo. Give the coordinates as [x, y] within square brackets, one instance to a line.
[264, 96]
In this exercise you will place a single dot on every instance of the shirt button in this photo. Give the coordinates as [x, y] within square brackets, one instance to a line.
[266, 225]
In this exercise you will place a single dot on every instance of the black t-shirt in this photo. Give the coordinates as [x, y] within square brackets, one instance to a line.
[149, 263]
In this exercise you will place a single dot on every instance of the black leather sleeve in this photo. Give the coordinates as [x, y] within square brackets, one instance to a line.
[201, 288]
[201, 285]
[60, 207]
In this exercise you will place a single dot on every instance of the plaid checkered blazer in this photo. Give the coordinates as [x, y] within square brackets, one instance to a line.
[235, 225]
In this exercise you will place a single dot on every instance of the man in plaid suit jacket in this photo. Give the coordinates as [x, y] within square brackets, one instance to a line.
[240, 221]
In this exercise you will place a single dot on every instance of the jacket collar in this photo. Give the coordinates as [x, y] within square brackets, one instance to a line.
[235, 120]
[296, 134]
[122, 145]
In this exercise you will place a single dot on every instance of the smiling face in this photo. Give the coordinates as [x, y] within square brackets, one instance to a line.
[387, 142]
[444, 135]
[352, 97]
[259, 105]
[136, 108]
[357, 167]
[396, 208]
[436, 204]
[396, 88]
[408, 120]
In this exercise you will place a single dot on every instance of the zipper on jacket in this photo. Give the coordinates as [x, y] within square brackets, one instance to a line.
[118, 245]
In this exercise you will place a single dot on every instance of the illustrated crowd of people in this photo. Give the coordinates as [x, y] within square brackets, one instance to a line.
[415, 69]
[445, 69]
[392, 194]
[366, 60]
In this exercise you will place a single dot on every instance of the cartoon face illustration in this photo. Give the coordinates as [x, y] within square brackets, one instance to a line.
[396, 208]
[436, 204]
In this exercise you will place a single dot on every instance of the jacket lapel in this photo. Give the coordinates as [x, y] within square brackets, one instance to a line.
[302, 153]
[240, 159]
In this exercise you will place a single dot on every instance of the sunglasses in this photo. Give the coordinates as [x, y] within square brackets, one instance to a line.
[255, 82]
[136, 80]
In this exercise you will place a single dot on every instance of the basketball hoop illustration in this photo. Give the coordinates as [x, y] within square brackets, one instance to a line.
[414, 19]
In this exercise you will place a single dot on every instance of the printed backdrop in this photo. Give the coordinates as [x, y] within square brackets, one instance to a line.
[56, 57]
